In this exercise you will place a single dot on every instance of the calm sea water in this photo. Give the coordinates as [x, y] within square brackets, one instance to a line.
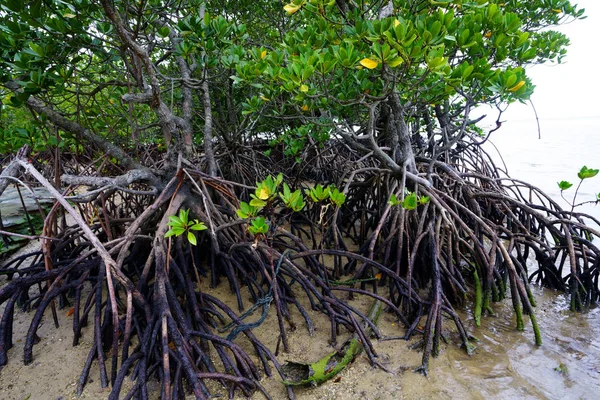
[565, 146]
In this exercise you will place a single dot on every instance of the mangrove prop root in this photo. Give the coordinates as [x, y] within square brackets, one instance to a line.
[141, 299]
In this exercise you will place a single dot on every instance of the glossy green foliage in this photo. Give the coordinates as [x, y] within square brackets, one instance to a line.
[336, 197]
[265, 197]
[564, 185]
[410, 201]
[265, 191]
[296, 140]
[456, 53]
[586, 173]
[461, 45]
[246, 210]
[17, 128]
[292, 200]
[181, 224]
[583, 174]
[318, 194]
[308, 65]
[258, 226]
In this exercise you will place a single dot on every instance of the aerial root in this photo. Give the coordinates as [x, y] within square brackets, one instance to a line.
[474, 239]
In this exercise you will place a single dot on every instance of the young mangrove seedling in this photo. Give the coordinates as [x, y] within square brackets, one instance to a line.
[181, 224]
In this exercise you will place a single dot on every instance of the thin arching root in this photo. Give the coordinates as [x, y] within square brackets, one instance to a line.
[474, 235]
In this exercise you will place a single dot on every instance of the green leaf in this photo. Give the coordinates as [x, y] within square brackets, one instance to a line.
[317, 193]
[586, 173]
[410, 201]
[164, 31]
[183, 216]
[39, 50]
[338, 198]
[467, 71]
[298, 204]
[192, 238]
[395, 62]
[258, 203]
[198, 226]
[178, 230]
[279, 179]
[174, 221]
[258, 225]
[564, 185]
[169, 233]
[286, 190]
[246, 210]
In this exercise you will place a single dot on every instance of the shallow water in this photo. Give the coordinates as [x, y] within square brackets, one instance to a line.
[508, 364]
[565, 146]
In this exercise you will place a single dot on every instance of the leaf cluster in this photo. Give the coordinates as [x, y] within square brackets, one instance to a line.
[266, 195]
[410, 201]
[181, 224]
[318, 193]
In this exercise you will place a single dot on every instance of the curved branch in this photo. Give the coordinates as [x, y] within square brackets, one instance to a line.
[168, 120]
[73, 127]
[133, 176]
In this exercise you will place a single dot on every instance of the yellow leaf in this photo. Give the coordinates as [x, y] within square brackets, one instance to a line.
[69, 15]
[557, 10]
[263, 54]
[305, 107]
[304, 88]
[368, 63]
[291, 8]
[265, 98]
[488, 34]
[396, 23]
[517, 86]
[263, 193]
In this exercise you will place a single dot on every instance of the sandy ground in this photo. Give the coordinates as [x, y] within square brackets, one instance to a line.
[507, 364]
